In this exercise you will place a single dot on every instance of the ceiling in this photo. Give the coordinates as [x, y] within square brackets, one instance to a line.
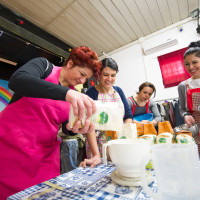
[103, 25]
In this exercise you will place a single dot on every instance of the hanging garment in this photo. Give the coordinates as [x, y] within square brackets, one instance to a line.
[166, 107]
[171, 115]
[162, 111]
[178, 118]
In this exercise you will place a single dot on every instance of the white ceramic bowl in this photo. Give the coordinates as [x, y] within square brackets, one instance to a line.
[127, 155]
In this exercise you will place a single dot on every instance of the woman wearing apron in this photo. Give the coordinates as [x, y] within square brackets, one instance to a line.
[29, 149]
[106, 92]
[142, 104]
[189, 90]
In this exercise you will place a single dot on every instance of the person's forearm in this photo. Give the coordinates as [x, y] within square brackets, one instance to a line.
[92, 141]
[29, 81]
[129, 120]
[135, 121]
[154, 122]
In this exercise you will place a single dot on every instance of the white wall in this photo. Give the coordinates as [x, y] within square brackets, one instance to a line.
[131, 69]
[135, 67]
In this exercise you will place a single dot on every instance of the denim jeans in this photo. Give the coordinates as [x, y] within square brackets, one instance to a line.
[69, 153]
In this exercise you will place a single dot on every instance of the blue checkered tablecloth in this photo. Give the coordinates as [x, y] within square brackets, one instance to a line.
[83, 184]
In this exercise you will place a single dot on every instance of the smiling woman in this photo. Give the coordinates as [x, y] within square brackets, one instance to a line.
[106, 92]
[190, 103]
[30, 123]
[189, 90]
[72, 74]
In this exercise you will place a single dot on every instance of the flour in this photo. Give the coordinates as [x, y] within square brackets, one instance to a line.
[109, 116]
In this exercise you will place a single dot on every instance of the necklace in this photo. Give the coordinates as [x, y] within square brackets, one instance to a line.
[111, 91]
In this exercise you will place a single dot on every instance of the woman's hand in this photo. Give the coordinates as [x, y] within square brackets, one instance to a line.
[129, 120]
[95, 160]
[145, 122]
[87, 128]
[80, 102]
[154, 122]
[189, 120]
[142, 122]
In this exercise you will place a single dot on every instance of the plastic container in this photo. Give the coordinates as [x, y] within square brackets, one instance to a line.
[147, 116]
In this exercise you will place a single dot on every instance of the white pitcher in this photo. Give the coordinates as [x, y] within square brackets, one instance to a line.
[177, 172]
[127, 155]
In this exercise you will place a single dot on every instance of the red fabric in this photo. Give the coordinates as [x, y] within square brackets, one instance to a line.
[133, 110]
[92, 83]
[193, 102]
[147, 109]
[193, 99]
[172, 68]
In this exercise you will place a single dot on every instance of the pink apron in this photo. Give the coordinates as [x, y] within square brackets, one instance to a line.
[29, 149]
[193, 103]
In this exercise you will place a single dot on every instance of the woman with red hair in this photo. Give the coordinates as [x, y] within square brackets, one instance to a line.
[29, 149]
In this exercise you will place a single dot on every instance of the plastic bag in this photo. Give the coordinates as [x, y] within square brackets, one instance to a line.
[109, 116]
[129, 131]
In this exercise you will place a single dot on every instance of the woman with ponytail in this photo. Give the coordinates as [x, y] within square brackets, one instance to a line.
[189, 90]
